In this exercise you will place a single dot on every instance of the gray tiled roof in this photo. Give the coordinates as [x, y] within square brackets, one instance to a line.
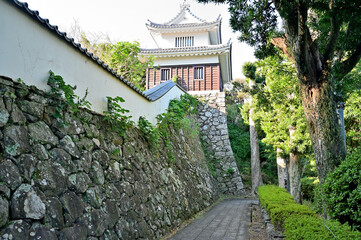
[185, 49]
[63, 36]
[184, 25]
[161, 89]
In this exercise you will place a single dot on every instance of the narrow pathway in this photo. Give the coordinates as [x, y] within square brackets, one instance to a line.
[228, 220]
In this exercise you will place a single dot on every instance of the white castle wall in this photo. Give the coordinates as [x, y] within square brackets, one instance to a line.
[29, 50]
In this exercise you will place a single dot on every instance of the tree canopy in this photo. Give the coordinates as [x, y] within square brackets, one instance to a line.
[123, 58]
[323, 39]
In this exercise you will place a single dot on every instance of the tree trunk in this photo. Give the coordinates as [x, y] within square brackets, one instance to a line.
[324, 126]
[255, 161]
[282, 172]
[295, 171]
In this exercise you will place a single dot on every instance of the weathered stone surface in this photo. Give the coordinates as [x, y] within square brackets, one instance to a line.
[33, 108]
[9, 174]
[38, 98]
[4, 114]
[97, 173]
[41, 133]
[142, 194]
[85, 144]
[51, 178]
[63, 158]
[16, 115]
[4, 190]
[4, 211]
[123, 229]
[95, 196]
[41, 152]
[102, 157]
[38, 231]
[27, 164]
[78, 182]
[16, 140]
[85, 162]
[26, 202]
[77, 232]
[95, 222]
[109, 235]
[113, 173]
[54, 213]
[72, 205]
[213, 125]
[112, 192]
[73, 126]
[18, 229]
[68, 145]
[112, 213]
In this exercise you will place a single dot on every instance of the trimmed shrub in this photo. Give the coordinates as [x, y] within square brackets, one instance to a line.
[342, 190]
[314, 228]
[272, 196]
[280, 204]
[299, 222]
[282, 212]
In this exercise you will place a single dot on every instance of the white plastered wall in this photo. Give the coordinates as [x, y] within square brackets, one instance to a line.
[29, 50]
[167, 40]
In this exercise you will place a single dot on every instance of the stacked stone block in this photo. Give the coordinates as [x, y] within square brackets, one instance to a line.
[76, 178]
[212, 119]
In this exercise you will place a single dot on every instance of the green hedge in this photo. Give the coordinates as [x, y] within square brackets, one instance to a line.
[342, 190]
[315, 228]
[299, 221]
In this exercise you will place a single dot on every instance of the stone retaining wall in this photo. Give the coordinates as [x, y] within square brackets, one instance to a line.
[213, 125]
[81, 180]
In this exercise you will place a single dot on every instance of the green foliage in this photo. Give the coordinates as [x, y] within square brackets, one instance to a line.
[280, 213]
[240, 142]
[239, 137]
[298, 221]
[249, 70]
[230, 171]
[352, 116]
[272, 196]
[308, 185]
[318, 199]
[150, 132]
[313, 228]
[175, 78]
[124, 58]
[177, 116]
[117, 115]
[72, 101]
[268, 163]
[342, 190]
[280, 204]
[256, 21]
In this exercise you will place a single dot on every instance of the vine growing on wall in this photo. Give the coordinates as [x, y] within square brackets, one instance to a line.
[117, 116]
[60, 89]
[150, 132]
[176, 117]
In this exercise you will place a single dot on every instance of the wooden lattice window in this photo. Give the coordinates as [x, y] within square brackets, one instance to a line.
[198, 73]
[165, 74]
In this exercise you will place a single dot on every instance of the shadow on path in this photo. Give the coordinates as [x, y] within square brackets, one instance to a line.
[228, 220]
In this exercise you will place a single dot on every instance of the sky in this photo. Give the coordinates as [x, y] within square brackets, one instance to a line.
[124, 20]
